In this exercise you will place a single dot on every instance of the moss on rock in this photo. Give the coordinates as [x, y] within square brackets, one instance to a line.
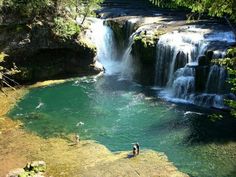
[144, 48]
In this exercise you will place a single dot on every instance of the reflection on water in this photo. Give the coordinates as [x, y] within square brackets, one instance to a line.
[118, 113]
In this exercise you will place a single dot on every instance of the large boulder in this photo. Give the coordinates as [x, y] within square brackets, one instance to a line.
[201, 77]
[144, 50]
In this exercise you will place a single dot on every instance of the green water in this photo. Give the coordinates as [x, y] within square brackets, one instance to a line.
[118, 113]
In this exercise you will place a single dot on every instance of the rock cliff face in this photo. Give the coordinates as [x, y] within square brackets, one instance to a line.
[38, 54]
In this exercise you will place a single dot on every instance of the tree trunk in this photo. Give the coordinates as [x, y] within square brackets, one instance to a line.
[85, 15]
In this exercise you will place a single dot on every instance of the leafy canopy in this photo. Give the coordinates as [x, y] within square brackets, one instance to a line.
[26, 8]
[32, 8]
[217, 8]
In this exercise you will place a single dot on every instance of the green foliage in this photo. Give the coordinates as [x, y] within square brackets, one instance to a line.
[217, 8]
[2, 55]
[88, 7]
[26, 8]
[164, 3]
[230, 63]
[65, 28]
[215, 117]
[32, 8]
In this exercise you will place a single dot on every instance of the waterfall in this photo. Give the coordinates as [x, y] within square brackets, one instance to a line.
[103, 38]
[177, 55]
[175, 50]
[128, 67]
[130, 27]
[127, 63]
[177, 59]
[183, 84]
[216, 80]
[114, 61]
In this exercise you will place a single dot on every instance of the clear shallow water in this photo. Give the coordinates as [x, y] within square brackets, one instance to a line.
[118, 113]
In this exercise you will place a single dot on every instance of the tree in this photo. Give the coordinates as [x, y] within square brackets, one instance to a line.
[26, 8]
[217, 8]
[88, 7]
[164, 3]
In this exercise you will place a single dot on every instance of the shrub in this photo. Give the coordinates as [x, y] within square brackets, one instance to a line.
[65, 28]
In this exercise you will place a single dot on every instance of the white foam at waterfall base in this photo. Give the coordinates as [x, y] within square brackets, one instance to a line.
[167, 95]
[103, 38]
[209, 100]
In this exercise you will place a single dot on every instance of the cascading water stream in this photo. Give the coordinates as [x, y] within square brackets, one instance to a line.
[184, 83]
[175, 50]
[215, 81]
[177, 58]
[128, 66]
[113, 60]
[130, 27]
[127, 60]
[103, 38]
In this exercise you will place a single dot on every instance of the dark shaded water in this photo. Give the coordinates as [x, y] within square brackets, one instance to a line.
[118, 113]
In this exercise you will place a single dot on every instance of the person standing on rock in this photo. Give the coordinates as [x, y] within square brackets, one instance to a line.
[137, 145]
[77, 138]
[135, 149]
